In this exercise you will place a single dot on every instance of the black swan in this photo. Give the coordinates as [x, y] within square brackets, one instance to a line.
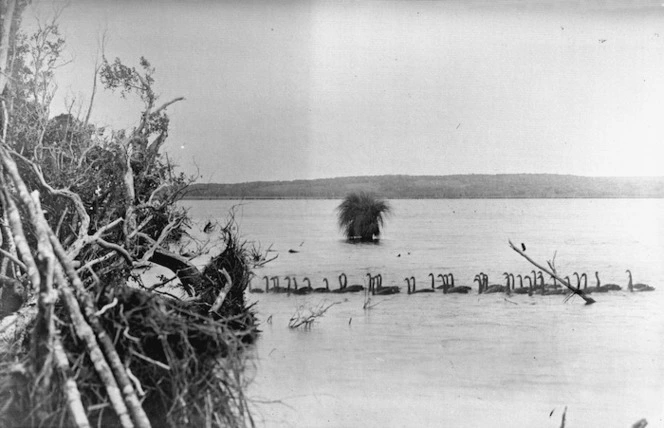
[638, 286]
[609, 287]
[325, 289]
[413, 290]
[303, 290]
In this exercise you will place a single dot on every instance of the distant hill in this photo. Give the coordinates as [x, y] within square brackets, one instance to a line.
[440, 187]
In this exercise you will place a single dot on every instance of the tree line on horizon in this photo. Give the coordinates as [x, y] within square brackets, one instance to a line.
[440, 187]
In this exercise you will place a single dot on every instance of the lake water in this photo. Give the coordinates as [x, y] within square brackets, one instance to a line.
[431, 360]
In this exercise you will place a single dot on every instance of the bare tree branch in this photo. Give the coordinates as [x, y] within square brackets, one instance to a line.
[166, 104]
[587, 299]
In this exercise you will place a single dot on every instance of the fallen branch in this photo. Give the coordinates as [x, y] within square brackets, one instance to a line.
[299, 318]
[86, 334]
[76, 409]
[574, 290]
[128, 393]
[23, 249]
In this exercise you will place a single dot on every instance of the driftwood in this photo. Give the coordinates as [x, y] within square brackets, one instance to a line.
[574, 290]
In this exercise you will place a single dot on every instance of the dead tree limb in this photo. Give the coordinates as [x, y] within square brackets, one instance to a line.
[65, 193]
[222, 292]
[85, 333]
[574, 290]
[76, 409]
[8, 248]
[24, 252]
[118, 370]
[44, 330]
[49, 244]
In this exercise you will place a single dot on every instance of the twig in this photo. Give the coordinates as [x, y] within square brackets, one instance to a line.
[104, 308]
[162, 283]
[150, 360]
[115, 247]
[137, 383]
[126, 334]
[91, 263]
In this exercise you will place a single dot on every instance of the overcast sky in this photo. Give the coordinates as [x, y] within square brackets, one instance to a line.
[299, 90]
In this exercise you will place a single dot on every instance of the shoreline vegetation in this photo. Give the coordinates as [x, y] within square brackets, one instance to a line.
[85, 212]
[469, 186]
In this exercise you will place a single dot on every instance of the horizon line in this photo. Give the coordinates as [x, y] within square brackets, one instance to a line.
[442, 175]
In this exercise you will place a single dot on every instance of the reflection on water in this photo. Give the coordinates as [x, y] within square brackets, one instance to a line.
[460, 360]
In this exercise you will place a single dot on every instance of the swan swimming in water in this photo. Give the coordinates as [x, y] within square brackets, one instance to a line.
[638, 286]
[433, 282]
[493, 288]
[521, 289]
[598, 288]
[413, 290]
[343, 285]
[377, 289]
[275, 286]
[510, 282]
[303, 290]
[325, 289]
[260, 290]
[288, 287]
[480, 283]
[609, 287]
[450, 288]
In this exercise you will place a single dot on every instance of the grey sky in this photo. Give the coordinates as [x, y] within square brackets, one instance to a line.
[293, 90]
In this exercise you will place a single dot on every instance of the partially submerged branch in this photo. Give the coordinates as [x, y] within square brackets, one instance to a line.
[306, 317]
[574, 290]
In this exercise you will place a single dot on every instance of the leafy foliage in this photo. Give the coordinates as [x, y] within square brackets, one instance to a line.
[361, 216]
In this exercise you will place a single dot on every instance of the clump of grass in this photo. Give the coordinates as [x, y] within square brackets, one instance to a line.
[361, 216]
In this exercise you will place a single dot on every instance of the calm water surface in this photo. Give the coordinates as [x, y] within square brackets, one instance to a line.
[458, 360]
